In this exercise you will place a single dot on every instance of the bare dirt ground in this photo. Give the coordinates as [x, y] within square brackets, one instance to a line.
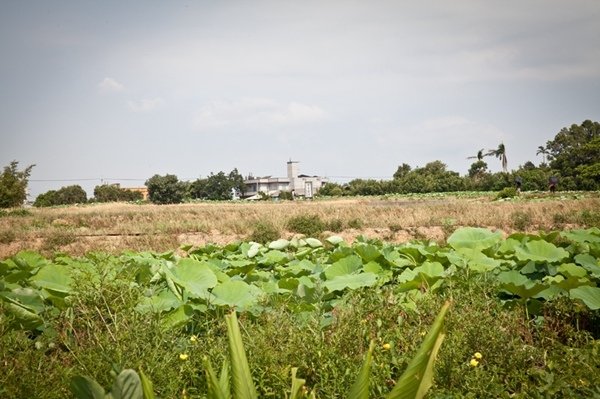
[115, 228]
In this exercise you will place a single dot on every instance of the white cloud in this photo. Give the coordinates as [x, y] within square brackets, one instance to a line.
[145, 104]
[110, 85]
[255, 113]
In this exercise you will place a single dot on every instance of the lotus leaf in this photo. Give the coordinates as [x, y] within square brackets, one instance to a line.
[367, 252]
[279, 244]
[589, 295]
[237, 294]
[347, 265]
[478, 261]
[581, 236]
[350, 281]
[474, 238]
[53, 278]
[195, 276]
[572, 270]
[540, 251]
[313, 242]
[589, 263]
[335, 240]
[515, 283]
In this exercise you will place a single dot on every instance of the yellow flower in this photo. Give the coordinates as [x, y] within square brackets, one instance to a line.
[183, 356]
[193, 339]
[477, 355]
[387, 346]
[474, 363]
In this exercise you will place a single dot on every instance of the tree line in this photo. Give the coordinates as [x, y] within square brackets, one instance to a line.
[572, 159]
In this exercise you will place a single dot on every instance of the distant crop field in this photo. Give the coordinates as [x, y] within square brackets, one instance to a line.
[115, 227]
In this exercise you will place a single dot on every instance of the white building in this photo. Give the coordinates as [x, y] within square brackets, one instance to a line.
[299, 185]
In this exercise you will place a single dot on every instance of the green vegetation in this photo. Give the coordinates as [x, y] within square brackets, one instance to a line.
[310, 225]
[218, 187]
[13, 185]
[524, 320]
[65, 196]
[114, 193]
[165, 189]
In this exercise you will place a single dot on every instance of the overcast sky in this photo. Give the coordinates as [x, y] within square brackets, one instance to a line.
[124, 90]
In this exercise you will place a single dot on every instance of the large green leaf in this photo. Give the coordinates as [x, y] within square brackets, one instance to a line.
[478, 261]
[27, 298]
[589, 295]
[195, 276]
[474, 238]
[367, 252]
[350, 281]
[518, 284]
[581, 236]
[348, 265]
[127, 385]
[237, 294]
[279, 244]
[540, 251]
[418, 377]
[589, 263]
[53, 278]
[243, 386]
[164, 301]
[86, 388]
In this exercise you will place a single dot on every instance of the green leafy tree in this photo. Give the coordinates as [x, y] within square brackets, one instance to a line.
[544, 152]
[64, 196]
[13, 185]
[165, 189]
[402, 171]
[218, 187]
[477, 169]
[575, 153]
[114, 193]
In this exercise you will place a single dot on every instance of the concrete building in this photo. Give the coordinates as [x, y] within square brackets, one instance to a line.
[300, 185]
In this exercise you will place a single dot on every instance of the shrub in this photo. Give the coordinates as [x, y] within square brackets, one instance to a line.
[520, 220]
[64, 196]
[309, 225]
[13, 185]
[508, 192]
[335, 225]
[264, 232]
[286, 195]
[165, 189]
[355, 223]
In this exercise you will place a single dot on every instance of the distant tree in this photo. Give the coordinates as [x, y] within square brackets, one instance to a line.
[114, 193]
[165, 189]
[64, 196]
[479, 155]
[402, 171]
[218, 187]
[477, 169]
[13, 185]
[331, 190]
[528, 165]
[500, 153]
[575, 153]
[544, 151]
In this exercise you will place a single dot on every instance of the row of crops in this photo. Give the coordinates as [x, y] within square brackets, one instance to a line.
[308, 274]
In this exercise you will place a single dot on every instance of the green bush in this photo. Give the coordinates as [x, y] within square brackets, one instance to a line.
[335, 225]
[520, 220]
[264, 232]
[309, 225]
[355, 223]
[508, 192]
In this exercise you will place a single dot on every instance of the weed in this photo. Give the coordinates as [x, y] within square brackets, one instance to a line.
[394, 227]
[309, 225]
[448, 226]
[335, 225]
[264, 232]
[355, 223]
[520, 220]
[589, 218]
[59, 238]
[7, 236]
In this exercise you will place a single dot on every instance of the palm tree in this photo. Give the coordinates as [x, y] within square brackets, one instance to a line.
[479, 155]
[544, 151]
[500, 153]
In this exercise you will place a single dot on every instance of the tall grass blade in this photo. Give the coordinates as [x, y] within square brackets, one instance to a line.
[224, 379]
[243, 386]
[418, 376]
[360, 388]
[146, 386]
[215, 389]
[297, 384]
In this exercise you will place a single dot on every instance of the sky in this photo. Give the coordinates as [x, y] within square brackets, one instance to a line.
[118, 91]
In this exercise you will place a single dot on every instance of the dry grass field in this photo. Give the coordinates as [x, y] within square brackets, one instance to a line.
[118, 227]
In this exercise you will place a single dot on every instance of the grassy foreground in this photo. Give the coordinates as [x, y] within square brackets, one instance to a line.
[98, 320]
